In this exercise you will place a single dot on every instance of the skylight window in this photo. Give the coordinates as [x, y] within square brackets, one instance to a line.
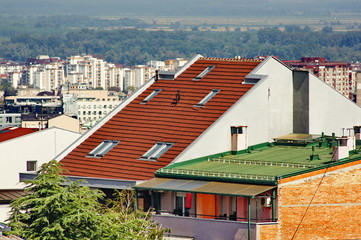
[103, 148]
[150, 96]
[204, 73]
[156, 151]
[207, 98]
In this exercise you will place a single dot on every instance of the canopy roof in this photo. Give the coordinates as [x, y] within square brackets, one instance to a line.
[222, 188]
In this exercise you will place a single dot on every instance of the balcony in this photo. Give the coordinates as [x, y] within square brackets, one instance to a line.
[209, 229]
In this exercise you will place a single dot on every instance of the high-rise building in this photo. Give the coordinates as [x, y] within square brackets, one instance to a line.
[336, 74]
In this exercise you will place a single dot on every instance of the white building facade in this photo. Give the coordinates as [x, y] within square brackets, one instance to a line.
[35, 149]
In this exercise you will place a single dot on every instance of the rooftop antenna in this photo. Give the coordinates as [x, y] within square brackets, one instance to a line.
[177, 98]
[156, 77]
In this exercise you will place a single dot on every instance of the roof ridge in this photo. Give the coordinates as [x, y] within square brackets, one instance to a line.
[236, 59]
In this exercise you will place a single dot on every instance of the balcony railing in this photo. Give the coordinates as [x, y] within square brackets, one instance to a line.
[231, 217]
[208, 229]
[217, 174]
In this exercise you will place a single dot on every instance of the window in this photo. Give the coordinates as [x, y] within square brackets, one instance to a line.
[207, 98]
[204, 73]
[9, 119]
[103, 148]
[150, 96]
[156, 151]
[31, 165]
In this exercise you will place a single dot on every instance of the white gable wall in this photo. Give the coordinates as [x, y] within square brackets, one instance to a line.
[266, 109]
[329, 110]
[40, 146]
[280, 100]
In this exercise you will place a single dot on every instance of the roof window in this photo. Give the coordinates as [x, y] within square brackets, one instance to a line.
[207, 98]
[150, 96]
[156, 151]
[205, 72]
[103, 148]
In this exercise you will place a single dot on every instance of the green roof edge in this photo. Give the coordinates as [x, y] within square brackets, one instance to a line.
[217, 155]
[331, 164]
[247, 181]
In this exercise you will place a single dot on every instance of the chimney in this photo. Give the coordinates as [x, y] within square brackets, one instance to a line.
[239, 139]
[344, 146]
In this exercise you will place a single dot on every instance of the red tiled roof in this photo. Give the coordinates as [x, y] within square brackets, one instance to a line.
[14, 132]
[139, 126]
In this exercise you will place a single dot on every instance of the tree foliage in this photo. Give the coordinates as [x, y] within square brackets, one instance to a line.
[56, 209]
[132, 46]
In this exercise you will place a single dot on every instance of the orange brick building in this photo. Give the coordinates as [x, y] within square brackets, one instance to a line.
[324, 204]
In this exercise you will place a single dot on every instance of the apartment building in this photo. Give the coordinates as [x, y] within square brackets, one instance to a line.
[338, 75]
[90, 106]
[199, 149]
[95, 72]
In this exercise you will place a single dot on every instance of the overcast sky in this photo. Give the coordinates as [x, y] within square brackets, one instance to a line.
[178, 7]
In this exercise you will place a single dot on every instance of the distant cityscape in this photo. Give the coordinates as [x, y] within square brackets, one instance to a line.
[84, 87]
[87, 87]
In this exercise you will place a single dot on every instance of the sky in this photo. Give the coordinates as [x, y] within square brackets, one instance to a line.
[193, 8]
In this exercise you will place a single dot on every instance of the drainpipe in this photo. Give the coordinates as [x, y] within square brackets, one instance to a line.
[274, 196]
[136, 200]
[249, 218]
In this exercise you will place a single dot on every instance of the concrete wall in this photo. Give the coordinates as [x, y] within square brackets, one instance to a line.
[329, 110]
[205, 229]
[319, 208]
[300, 102]
[266, 109]
[4, 210]
[65, 122]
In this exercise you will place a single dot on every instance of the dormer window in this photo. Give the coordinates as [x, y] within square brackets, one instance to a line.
[207, 98]
[156, 151]
[150, 96]
[103, 148]
[204, 73]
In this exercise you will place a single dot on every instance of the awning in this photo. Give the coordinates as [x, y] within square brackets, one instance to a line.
[221, 188]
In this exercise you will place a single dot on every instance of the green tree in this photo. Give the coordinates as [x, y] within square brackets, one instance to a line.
[57, 209]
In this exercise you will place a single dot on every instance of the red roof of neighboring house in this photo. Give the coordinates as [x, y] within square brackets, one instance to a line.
[14, 132]
[139, 127]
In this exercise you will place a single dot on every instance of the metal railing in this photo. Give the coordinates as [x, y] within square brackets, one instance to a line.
[231, 217]
[217, 174]
[263, 163]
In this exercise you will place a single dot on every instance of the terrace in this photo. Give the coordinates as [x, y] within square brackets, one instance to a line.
[230, 189]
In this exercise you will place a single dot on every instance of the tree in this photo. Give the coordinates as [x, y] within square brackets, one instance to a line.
[51, 210]
[327, 29]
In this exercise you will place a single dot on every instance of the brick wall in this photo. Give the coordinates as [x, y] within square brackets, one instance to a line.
[335, 211]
